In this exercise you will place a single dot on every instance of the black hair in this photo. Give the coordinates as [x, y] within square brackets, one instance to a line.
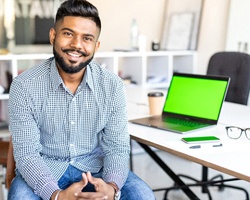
[78, 8]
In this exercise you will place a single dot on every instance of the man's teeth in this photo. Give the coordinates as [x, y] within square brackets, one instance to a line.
[74, 55]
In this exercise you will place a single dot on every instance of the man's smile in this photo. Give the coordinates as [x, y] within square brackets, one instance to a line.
[74, 54]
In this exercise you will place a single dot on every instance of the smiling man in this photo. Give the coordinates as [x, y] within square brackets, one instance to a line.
[68, 120]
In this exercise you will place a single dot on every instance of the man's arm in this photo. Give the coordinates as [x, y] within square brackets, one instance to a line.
[116, 144]
[25, 137]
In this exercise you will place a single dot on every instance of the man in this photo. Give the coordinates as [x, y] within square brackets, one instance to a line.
[68, 120]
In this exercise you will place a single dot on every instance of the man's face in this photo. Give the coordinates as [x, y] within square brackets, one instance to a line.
[74, 40]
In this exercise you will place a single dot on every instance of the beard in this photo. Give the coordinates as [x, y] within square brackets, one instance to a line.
[70, 69]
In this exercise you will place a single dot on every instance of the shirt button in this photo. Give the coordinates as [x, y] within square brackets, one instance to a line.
[71, 145]
[71, 162]
[72, 122]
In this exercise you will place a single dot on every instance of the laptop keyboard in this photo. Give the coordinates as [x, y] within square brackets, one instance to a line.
[182, 122]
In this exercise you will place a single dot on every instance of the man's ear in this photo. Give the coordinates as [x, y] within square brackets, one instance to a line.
[52, 35]
[97, 45]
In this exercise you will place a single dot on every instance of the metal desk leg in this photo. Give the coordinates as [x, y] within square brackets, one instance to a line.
[175, 178]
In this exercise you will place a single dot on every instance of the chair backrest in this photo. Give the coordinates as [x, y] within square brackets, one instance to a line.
[4, 146]
[236, 65]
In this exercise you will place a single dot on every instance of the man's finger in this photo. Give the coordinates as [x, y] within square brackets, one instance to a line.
[93, 181]
[84, 179]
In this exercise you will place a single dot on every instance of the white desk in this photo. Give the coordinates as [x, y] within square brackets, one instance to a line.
[231, 158]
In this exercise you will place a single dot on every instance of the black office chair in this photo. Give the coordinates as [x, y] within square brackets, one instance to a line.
[236, 65]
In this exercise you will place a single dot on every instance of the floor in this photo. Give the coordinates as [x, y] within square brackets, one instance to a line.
[156, 178]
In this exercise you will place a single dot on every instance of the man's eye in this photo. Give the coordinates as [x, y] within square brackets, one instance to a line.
[88, 39]
[68, 34]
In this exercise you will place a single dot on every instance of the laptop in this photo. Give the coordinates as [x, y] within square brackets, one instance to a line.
[193, 102]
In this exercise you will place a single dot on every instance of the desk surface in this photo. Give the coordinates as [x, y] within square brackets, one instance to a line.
[231, 158]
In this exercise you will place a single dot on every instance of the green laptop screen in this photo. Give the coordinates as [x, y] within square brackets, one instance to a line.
[196, 97]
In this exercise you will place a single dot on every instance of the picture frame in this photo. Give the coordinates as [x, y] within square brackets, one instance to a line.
[179, 7]
[179, 31]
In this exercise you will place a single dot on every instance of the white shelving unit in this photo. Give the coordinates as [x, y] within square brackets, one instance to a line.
[141, 66]
[147, 69]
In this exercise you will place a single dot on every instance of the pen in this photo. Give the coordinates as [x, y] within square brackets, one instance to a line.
[217, 145]
[195, 147]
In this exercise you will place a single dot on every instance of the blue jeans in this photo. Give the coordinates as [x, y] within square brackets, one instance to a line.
[133, 189]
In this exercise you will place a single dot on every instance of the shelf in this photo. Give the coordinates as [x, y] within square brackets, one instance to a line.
[157, 85]
[4, 134]
[135, 67]
[4, 96]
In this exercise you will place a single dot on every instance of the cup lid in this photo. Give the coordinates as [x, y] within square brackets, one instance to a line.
[155, 94]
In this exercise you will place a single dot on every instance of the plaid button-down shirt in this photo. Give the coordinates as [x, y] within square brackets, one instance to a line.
[52, 128]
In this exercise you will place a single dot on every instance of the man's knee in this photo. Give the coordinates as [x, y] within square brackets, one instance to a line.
[19, 190]
[135, 188]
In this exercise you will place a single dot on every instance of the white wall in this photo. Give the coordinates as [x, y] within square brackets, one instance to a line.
[238, 26]
[213, 31]
[117, 16]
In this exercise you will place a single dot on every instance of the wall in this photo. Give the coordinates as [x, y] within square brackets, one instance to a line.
[238, 26]
[213, 31]
[117, 16]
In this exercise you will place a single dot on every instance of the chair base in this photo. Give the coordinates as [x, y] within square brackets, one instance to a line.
[205, 185]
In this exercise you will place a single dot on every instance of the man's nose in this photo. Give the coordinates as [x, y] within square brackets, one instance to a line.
[76, 42]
